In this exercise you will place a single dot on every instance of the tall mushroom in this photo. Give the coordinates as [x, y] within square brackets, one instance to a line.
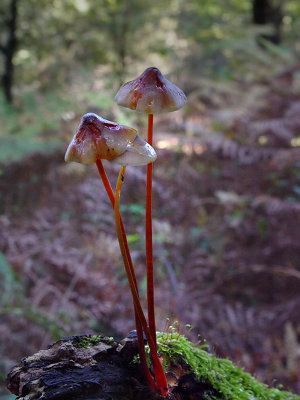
[96, 139]
[150, 93]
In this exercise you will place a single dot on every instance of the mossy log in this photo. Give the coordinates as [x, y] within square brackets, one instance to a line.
[99, 368]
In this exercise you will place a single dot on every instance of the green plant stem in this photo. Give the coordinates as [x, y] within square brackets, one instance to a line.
[139, 329]
[159, 374]
[149, 244]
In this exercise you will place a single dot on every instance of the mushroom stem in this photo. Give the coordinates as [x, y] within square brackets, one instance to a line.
[149, 245]
[111, 196]
[138, 324]
[159, 374]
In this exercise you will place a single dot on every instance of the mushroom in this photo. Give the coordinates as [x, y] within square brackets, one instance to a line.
[150, 93]
[96, 139]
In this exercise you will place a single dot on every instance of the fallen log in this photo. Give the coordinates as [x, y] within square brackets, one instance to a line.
[100, 368]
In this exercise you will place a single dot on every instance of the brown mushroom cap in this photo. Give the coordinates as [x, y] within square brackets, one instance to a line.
[98, 138]
[151, 93]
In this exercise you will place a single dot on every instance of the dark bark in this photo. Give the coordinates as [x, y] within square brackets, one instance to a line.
[261, 10]
[266, 12]
[77, 368]
[8, 50]
[97, 368]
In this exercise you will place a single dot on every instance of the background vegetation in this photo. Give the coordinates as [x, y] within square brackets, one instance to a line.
[227, 180]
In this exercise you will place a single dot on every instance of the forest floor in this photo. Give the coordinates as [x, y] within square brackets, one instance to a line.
[226, 239]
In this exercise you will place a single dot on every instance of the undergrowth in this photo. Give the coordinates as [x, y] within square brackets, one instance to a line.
[31, 126]
[226, 378]
[40, 123]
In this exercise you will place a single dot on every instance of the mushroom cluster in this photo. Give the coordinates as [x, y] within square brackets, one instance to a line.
[98, 139]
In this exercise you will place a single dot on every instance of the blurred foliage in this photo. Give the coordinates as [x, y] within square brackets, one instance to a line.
[61, 41]
[30, 131]
[58, 39]
[73, 54]
[226, 45]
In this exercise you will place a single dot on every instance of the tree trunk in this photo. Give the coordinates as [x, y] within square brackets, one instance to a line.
[267, 12]
[8, 50]
[261, 11]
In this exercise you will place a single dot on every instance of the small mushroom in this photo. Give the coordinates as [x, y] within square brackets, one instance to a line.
[151, 93]
[98, 138]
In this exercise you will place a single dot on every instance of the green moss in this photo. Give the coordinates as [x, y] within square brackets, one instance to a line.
[230, 381]
[86, 341]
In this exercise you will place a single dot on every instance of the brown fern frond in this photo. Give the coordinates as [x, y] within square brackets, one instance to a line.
[275, 206]
[272, 127]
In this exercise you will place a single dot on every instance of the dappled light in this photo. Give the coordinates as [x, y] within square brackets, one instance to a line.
[181, 144]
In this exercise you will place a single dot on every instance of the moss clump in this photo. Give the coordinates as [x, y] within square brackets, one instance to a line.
[230, 381]
[87, 341]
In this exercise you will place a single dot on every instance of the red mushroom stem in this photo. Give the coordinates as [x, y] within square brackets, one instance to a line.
[159, 374]
[138, 324]
[149, 244]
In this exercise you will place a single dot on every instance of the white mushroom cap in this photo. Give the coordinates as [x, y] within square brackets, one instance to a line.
[138, 152]
[151, 93]
[98, 138]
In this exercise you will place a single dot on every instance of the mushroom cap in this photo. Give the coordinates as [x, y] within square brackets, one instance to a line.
[151, 93]
[98, 138]
[138, 152]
